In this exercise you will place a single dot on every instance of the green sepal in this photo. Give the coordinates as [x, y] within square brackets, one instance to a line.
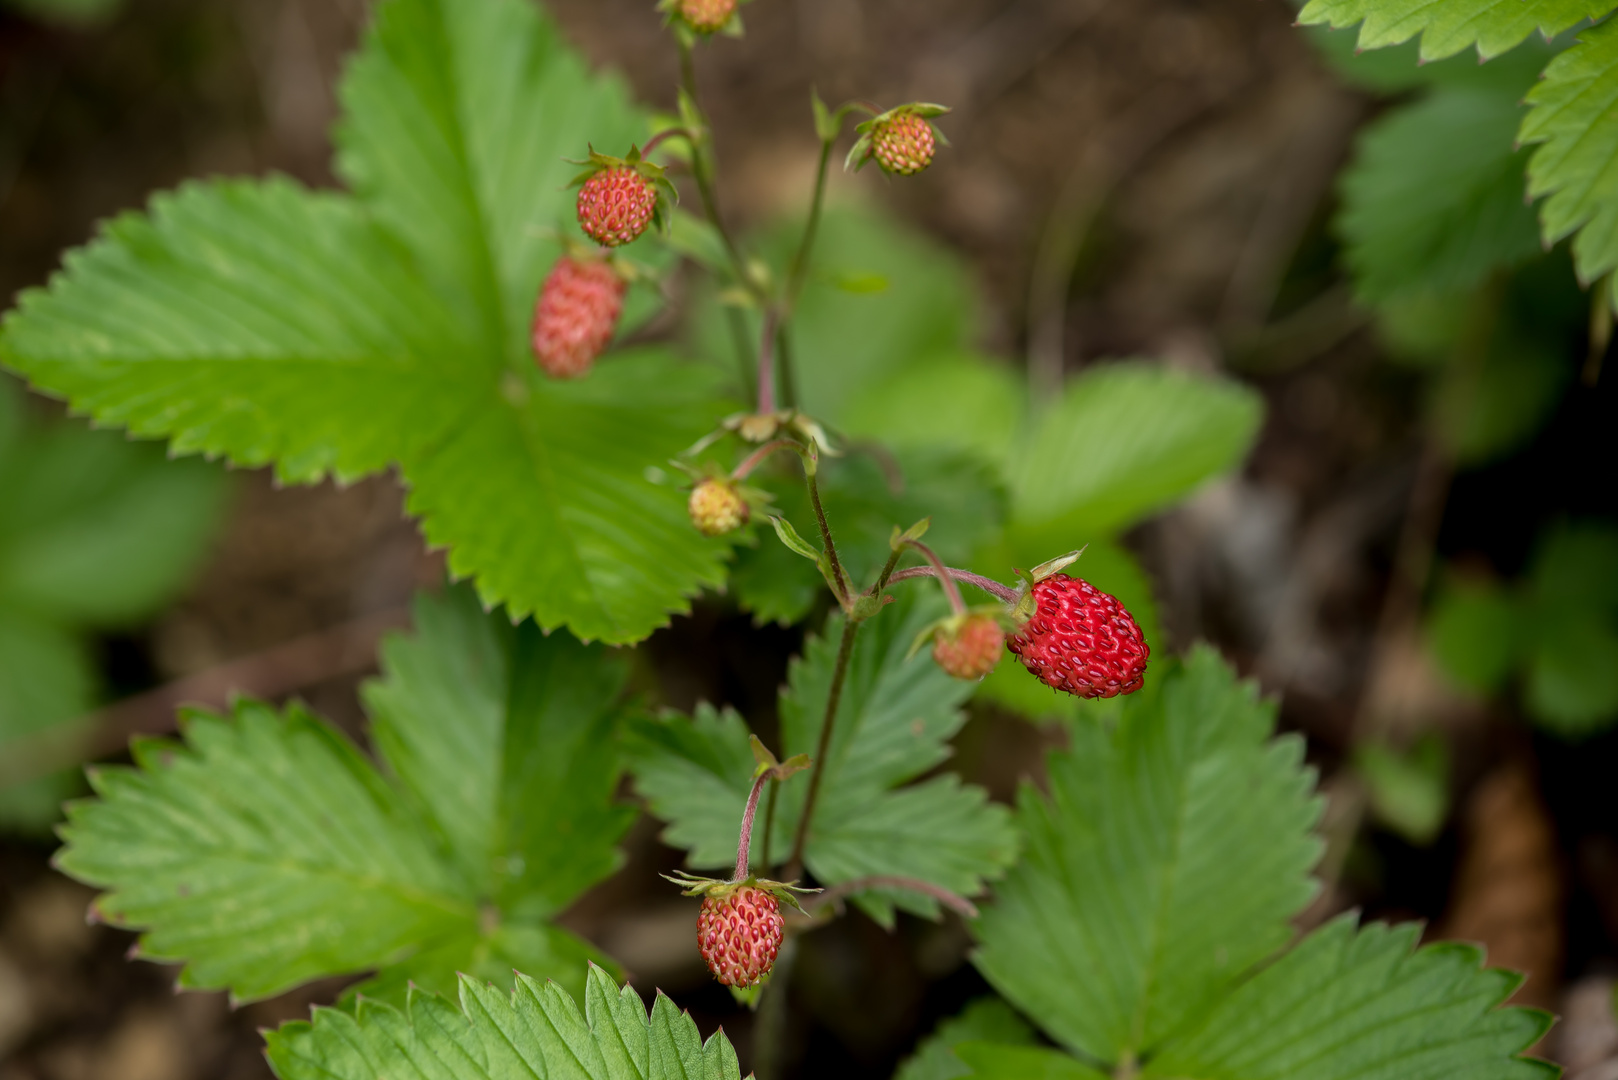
[789, 536]
[915, 532]
[783, 891]
[767, 764]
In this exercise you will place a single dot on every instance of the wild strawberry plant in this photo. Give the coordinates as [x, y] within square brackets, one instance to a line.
[440, 317]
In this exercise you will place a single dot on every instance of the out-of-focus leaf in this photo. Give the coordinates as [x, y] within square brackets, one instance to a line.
[1126, 440]
[46, 679]
[1434, 198]
[1572, 685]
[1475, 633]
[1576, 564]
[987, 1019]
[1409, 789]
[958, 401]
[1397, 68]
[1486, 413]
[75, 13]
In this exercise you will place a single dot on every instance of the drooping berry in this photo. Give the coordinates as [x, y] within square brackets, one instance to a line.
[705, 16]
[738, 933]
[903, 144]
[576, 314]
[970, 650]
[1081, 640]
[616, 204]
[717, 507]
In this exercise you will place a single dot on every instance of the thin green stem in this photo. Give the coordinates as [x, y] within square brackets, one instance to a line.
[840, 582]
[701, 145]
[784, 370]
[834, 694]
[800, 259]
[887, 572]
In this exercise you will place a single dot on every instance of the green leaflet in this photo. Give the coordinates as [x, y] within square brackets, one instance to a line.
[987, 1019]
[1573, 119]
[1166, 862]
[1448, 26]
[536, 1031]
[871, 818]
[335, 334]
[266, 850]
[1434, 199]
[1157, 888]
[96, 532]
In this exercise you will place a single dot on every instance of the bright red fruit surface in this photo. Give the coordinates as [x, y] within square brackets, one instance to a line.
[616, 205]
[738, 933]
[1081, 640]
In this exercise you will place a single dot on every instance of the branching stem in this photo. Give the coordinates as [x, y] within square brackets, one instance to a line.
[840, 586]
[988, 585]
[837, 893]
[751, 461]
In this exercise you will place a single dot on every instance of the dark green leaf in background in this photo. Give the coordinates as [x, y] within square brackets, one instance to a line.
[1434, 198]
[985, 1020]
[266, 850]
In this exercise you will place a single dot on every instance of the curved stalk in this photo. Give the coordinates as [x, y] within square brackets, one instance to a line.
[845, 649]
[837, 893]
[957, 606]
[988, 585]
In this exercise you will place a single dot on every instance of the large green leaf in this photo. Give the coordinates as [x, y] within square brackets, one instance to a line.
[1434, 199]
[1574, 116]
[1165, 862]
[1349, 1003]
[892, 724]
[538, 1031]
[266, 850]
[337, 334]
[1448, 26]
[1144, 929]
[1126, 440]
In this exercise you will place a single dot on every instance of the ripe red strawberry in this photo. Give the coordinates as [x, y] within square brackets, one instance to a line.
[716, 507]
[616, 204]
[1081, 640]
[705, 16]
[903, 144]
[576, 314]
[970, 650]
[739, 932]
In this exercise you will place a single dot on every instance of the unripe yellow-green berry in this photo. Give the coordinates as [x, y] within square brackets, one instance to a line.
[717, 507]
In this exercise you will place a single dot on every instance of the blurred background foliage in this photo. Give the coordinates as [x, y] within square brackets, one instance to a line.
[1361, 441]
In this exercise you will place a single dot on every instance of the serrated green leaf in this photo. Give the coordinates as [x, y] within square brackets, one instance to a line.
[865, 494]
[893, 721]
[1397, 68]
[1434, 198]
[987, 1019]
[1349, 1003]
[1574, 116]
[1126, 440]
[1165, 863]
[341, 335]
[506, 736]
[266, 850]
[537, 1031]
[1448, 26]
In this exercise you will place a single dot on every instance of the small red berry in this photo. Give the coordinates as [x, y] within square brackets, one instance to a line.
[1081, 640]
[738, 933]
[716, 507]
[576, 314]
[903, 144]
[706, 16]
[971, 650]
[616, 204]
